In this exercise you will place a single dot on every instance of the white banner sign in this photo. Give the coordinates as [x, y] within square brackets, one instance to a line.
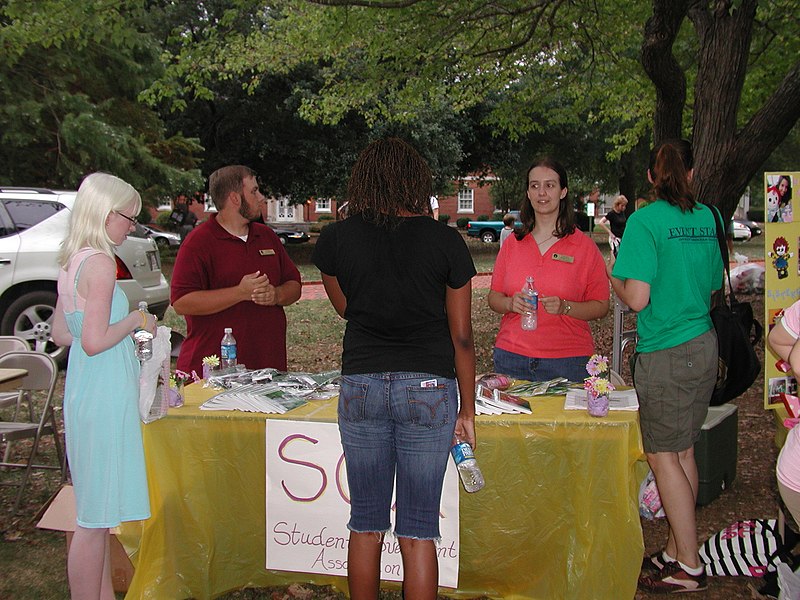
[308, 506]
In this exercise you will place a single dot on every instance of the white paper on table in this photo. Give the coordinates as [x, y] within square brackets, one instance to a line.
[623, 399]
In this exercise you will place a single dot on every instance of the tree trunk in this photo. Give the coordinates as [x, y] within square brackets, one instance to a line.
[725, 159]
[663, 69]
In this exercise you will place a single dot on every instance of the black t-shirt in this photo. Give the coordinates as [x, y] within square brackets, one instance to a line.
[395, 280]
[616, 222]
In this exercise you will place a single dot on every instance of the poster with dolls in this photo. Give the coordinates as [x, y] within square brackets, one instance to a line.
[782, 277]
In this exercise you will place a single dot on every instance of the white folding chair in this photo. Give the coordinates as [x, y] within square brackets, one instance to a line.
[12, 343]
[41, 377]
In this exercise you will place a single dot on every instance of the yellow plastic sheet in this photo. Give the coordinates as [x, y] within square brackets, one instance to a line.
[558, 517]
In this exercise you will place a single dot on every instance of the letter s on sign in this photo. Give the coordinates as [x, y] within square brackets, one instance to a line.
[303, 463]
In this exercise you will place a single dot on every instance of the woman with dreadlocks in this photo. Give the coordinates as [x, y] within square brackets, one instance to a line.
[403, 282]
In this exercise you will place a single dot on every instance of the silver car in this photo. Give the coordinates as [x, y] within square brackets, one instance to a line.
[33, 222]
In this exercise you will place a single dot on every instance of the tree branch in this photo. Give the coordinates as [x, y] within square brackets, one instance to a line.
[367, 3]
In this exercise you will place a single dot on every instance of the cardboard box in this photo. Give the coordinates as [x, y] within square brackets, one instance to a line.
[716, 452]
[60, 516]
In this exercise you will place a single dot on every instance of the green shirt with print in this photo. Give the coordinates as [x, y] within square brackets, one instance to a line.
[677, 253]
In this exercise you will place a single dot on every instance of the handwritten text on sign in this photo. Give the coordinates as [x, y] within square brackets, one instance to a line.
[308, 506]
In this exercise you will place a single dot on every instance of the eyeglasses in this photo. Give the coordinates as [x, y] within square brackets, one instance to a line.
[131, 219]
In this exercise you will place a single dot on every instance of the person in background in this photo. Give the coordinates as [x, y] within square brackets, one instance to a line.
[641, 202]
[403, 283]
[614, 221]
[101, 393]
[581, 218]
[783, 339]
[435, 208]
[233, 272]
[508, 227]
[568, 272]
[667, 268]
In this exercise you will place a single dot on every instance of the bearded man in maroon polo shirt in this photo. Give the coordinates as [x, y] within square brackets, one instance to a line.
[232, 272]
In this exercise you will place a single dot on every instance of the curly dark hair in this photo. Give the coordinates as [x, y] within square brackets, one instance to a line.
[565, 224]
[389, 179]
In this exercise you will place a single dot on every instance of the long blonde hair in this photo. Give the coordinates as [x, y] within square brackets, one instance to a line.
[99, 195]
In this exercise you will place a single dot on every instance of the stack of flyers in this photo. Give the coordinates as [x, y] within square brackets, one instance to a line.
[497, 402]
[553, 387]
[257, 397]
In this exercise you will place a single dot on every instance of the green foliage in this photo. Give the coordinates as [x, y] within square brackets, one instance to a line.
[462, 222]
[68, 87]
[483, 218]
[162, 220]
[444, 218]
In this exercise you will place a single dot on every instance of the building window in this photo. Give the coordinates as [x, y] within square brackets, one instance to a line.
[323, 205]
[465, 200]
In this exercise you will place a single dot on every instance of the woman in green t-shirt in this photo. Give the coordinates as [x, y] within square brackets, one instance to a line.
[668, 265]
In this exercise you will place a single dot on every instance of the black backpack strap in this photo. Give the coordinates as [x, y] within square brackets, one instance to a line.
[723, 250]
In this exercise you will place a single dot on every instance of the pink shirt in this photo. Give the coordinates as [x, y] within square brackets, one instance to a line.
[572, 269]
[788, 467]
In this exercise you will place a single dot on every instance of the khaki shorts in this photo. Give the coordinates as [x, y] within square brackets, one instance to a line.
[674, 388]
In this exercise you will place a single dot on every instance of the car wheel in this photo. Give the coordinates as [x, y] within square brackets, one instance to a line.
[162, 243]
[489, 237]
[284, 239]
[30, 317]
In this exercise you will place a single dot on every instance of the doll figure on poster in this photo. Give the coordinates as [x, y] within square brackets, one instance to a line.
[780, 256]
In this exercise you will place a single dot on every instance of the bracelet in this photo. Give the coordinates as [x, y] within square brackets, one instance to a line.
[144, 319]
[567, 308]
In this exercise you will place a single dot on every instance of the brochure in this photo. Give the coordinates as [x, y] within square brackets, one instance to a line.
[497, 402]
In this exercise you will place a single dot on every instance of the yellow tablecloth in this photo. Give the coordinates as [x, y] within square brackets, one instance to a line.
[558, 517]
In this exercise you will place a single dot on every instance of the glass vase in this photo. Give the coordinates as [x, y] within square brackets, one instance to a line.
[176, 396]
[597, 406]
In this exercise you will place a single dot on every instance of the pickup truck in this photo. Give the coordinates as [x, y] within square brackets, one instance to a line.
[489, 231]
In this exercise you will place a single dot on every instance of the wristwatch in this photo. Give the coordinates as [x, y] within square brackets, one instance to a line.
[567, 308]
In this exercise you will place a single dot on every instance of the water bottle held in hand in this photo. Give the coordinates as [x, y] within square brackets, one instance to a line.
[228, 354]
[530, 318]
[467, 466]
[143, 339]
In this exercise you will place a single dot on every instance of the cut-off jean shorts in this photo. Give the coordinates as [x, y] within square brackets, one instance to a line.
[393, 427]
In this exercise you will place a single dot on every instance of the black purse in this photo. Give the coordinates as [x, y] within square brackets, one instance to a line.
[737, 334]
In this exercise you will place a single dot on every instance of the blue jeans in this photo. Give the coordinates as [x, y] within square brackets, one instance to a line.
[392, 427]
[540, 369]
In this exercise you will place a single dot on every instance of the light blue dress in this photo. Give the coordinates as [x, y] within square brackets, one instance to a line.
[101, 418]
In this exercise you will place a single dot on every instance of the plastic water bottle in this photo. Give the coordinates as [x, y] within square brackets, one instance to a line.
[530, 319]
[467, 466]
[227, 353]
[143, 339]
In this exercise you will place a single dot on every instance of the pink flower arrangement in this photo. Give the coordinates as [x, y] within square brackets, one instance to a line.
[180, 378]
[598, 384]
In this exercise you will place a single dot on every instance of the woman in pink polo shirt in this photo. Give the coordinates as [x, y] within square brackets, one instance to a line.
[568, 272]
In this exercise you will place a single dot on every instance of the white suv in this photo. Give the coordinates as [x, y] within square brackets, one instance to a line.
[33, 222]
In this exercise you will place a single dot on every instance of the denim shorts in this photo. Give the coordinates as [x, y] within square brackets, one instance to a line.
[674, 388]
[520, 366]
[394, 428]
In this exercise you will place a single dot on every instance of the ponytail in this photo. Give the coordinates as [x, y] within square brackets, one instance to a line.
[670, 163]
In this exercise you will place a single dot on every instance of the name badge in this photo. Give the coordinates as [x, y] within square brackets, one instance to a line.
[267, 252]
[563, 257]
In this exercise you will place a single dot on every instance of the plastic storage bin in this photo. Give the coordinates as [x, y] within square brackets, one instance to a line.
[716, 452]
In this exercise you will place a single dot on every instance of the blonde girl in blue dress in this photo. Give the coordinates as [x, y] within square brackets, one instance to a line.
[101, 417]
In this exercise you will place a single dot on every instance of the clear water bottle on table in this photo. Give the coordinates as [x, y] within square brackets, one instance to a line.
[530, 318]
[143, 338]
[467, 466]
[228, 354]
